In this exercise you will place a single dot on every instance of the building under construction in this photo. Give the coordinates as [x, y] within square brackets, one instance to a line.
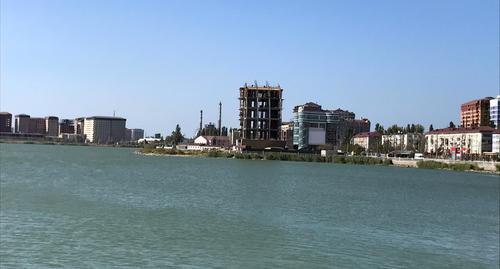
[260, 116]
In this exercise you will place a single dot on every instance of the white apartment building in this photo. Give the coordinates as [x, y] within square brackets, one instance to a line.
[467, 141]
[370, 141]
[495, 137]
[495, 111]
[410, 141]
[104, 130]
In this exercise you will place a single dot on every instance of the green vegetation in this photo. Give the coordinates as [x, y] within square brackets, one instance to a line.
[395, 129]
[277, 156]
[451, 166]
[498, 167]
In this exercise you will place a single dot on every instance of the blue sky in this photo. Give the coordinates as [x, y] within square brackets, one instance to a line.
[157, 63]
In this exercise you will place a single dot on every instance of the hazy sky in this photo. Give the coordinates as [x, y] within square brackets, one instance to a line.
[157, 63]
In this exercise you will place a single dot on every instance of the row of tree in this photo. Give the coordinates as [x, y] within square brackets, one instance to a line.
[395, 129]
[410, 128]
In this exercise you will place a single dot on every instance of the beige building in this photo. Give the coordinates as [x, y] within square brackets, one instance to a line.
[370, 141]
[104, 130]
[464, 140]
[475, 113]
[286, 134]
[410, 141]
[52, 126]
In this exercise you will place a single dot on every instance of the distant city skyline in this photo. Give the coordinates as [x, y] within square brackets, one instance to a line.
[158, 63]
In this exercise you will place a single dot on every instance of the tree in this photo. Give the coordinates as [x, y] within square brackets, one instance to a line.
[413, 128]
[176, 136]
[452, 125]
[346, 142]
[379, 128]
[431, 128]
[419, 128]
[357, 149]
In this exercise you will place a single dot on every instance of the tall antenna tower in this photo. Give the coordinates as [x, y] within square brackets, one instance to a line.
[220, 117]
[201, 122]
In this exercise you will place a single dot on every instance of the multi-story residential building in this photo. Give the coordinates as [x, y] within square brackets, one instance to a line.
[67, 126]
[37, 126]
[314, 126]
[370, 141]
[52, 126]
[286, 134]
[408, 141]
[260, 116]
[462, 140]
[104, 130]
[475, 113]
[22, 123]
[79, 126]
[5, 122]
[495, 137]
[495, 111]
[134, 134]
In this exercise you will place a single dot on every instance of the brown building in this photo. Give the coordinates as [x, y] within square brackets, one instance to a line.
[260, 116]
[52, 126]
[22, 123]
[475, 113]
[5, 122]
[37, 126]
[66, 126]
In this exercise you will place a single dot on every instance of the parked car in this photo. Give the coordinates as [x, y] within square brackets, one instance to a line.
[418, 156]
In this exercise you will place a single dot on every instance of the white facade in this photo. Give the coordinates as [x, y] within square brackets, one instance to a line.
[362, 141]
[468, 142]
[403, 141]
[222, 141]
[495, 143]
[148, 140]
[495, 111]
[103, 130]
[201, 140]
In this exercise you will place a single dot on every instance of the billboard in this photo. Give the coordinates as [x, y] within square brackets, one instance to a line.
[317, 136]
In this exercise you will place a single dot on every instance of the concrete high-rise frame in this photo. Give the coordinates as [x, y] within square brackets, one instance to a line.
[260, 112]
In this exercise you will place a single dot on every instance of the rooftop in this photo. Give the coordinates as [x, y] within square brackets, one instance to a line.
[478, 100]
[367, 134]
[482, 129]
[105, 118]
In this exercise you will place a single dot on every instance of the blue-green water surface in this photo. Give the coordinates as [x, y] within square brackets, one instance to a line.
[96, 207]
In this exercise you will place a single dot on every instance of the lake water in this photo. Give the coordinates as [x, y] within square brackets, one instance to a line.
[92, 207]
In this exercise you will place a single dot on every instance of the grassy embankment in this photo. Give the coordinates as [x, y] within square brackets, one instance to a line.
[279, 156]
[451, 166]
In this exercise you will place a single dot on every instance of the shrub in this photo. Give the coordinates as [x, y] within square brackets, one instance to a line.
[432, 165]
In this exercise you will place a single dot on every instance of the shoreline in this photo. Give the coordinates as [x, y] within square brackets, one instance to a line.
[318, 159]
